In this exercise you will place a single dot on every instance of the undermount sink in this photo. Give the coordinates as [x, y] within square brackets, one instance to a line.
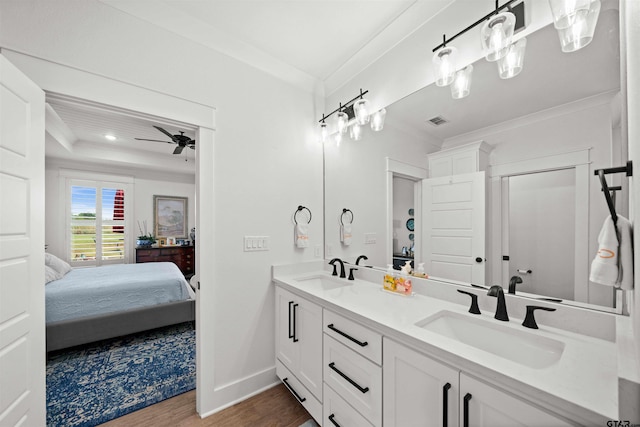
[324, 282]
[521, 347]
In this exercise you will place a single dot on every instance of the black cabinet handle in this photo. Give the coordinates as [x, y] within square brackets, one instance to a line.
[445, 405]
[295, 339]
[333, 421]
[332, 365]
[297, 396]
[467, 398]
[360, 343]
[290, 333]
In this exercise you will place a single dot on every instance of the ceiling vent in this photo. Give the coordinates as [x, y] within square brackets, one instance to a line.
[437, 121]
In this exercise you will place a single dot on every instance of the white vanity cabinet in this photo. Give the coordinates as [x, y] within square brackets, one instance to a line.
[467, 158]
[299, 349]
[422, 392]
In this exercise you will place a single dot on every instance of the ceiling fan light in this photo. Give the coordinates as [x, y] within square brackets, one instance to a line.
[511, 64]
[377, 120]
[361, 110]
[342, 122]
[567, 12]
[580, 33]
[462, 83]
[445, 65]
[496, 34]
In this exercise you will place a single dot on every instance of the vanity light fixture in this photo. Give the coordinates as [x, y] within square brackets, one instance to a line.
[352, 115]
[511, 64]
[582, 26]
[496, 35]
[462, 82]
[568, 12]
[445, 65]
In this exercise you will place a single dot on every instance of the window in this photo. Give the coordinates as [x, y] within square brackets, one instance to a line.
[97, 233]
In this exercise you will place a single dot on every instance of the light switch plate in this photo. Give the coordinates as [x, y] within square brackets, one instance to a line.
[370, 238]
[256, 243]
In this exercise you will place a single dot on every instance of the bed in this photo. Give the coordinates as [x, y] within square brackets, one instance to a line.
[84, 305]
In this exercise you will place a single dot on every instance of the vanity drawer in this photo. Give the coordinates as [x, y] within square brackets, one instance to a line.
[300, 392]
[355, 336]
[353, 377]
[338, 412]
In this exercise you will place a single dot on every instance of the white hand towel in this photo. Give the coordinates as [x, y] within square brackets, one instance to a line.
[345, 234]
[625, 254]
[613, 264]
[302, 235]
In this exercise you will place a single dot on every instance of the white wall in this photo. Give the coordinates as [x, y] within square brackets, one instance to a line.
[267, 162]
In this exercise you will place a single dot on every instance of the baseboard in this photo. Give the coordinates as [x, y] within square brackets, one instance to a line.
[229, 394]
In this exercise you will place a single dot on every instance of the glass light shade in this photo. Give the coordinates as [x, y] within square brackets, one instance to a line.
[377, 120]
[355, 131]
[342, 121]
[567, 12]
[361, 110]
[580, 33]
[496, 34]
[462, 83]
[445, 65]
[511, 64]
[338, 139]
[324, 132]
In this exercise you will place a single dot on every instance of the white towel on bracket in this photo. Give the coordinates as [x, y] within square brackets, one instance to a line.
[301, 235]
[345, 234]
[613, 264]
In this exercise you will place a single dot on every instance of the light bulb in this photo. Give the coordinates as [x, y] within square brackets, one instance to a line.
[461, 85]
[342, 121]
[361, 110]
[511, 64]
[324, 132]
[377, 120]
[445, 65]
[338, 139]
[355, 132]
[496, 34]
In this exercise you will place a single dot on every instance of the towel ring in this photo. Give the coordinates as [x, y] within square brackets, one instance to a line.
[344, 211]
[300, 208]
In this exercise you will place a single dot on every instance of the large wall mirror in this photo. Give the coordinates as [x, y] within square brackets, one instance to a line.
[546, 131]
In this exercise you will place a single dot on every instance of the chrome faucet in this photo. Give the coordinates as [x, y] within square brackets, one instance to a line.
[333, 263]
[501, 308]
[513, 282]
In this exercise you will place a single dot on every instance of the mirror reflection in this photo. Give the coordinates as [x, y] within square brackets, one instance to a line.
[525, 147]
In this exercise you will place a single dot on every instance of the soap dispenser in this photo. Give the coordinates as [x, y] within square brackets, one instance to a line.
[420, 271]
[403, 283]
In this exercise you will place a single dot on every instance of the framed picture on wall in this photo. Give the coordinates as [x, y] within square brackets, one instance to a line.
[170, 216]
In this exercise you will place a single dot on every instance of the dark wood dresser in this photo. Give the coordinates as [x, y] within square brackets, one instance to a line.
[182, 256]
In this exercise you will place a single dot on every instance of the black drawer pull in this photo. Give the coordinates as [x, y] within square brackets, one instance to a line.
[360, 343]
[467, 398]
[445, 405]
[332, 365]
[295, 339]
[297, 396]
[290, 333]
[331, 418]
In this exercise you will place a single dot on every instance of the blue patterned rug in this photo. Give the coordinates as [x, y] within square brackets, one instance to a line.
[91, 385]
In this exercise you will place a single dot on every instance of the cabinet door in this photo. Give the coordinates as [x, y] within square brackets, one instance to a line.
[482, 405]
[418, 391]
[307, 331]
[286, 349]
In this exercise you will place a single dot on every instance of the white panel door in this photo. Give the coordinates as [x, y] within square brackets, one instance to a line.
[453, 223]
[22, 332]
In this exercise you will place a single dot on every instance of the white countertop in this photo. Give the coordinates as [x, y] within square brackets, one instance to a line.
[583, 383]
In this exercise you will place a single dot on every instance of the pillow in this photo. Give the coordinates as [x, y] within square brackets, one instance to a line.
[50, 274]
[57, 264]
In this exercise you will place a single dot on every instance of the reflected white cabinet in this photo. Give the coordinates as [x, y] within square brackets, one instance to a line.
[484, 406]
[299, 340]
[418, 391]
[463, 159]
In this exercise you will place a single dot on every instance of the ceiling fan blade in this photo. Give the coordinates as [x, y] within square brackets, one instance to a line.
[164, 131]
[178, 149]
[154, 140]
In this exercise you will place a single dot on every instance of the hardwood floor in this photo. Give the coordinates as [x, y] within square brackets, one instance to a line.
[275, 407]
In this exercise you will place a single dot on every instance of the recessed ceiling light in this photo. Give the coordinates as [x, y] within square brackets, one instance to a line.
[110, 137]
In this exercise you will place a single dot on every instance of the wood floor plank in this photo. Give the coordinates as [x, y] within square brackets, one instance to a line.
[275, 407]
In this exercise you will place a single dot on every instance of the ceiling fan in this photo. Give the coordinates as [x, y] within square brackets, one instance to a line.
[181, 140]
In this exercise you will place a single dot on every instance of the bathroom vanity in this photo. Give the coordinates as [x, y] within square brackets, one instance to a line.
[356, 355]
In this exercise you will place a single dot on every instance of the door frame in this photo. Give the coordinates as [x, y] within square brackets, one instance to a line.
[63, 81]
[578, 160]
